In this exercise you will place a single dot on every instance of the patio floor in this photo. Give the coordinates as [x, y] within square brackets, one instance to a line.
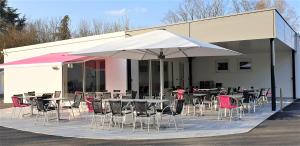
[203, 126]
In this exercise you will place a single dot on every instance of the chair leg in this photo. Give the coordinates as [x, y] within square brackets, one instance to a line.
[230, 114]
[175, 123]
[110, 122]
[141, 123]
[73, 113]
[123, 121]
[148, 124]
[134, 124]
[182, 122]
[219, 113]
[92, 123]
[13, 112]
[20, 110]
[157, 124]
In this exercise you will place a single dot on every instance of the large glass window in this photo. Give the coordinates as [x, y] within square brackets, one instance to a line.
[73, 75]
[94, 76]
[144, 77]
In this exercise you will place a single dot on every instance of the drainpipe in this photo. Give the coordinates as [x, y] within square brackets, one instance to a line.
[273, 84]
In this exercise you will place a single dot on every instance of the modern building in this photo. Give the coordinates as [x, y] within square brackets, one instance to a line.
[268, 43]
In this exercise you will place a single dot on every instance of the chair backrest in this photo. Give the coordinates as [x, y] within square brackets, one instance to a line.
[261, 92]
[31, 93]
[106, 95]
[57, 94]
[141, 107]
[180, 94]
[20, 96]
[179, 106]
[224, 101]
[77, 99]
[16, 101]
[40, 104]
[267, 92]
[116, 91]
[97, 106]
[89, 101]
[126, 96]
[115, 107]
[229, 91]
[133, 94]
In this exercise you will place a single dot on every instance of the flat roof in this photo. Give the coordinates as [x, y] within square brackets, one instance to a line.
[217, 17]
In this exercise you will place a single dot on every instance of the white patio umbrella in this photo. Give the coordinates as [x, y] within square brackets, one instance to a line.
[157, 44]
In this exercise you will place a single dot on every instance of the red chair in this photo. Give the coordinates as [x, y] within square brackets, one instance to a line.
[89, 100]
[180, 94]
[17, 104]
[225, 103]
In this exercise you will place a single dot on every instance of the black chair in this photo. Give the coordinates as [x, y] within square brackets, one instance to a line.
[106, 95]
[133, 94]
[117, 112]
[229, 92]
[116, 94]
[76, 104]
[174, 112]
[141, 112]
[44, 107]
[99, 111]
[57, 94]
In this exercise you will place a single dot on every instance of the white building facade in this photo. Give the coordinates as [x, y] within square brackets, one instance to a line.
[259, 35]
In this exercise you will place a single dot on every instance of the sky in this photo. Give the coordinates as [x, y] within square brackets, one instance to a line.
[141, 13]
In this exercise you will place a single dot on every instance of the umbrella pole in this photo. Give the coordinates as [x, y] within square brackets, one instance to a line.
[161, 63]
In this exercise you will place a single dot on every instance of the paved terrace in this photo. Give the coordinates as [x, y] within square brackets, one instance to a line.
[203, 126]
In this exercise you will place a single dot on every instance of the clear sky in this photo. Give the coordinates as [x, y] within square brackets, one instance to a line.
[141, 13]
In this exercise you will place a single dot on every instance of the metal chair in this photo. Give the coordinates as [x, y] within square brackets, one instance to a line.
[173, 112]
[75, 105]
[141, 112]
[44, 107]
[57, 94]
[225, 103]
[16, 104]
[98, 111]
[117, 113]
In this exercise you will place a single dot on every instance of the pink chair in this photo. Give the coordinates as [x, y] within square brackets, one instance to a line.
[16, 104]
[88, 101]
[225, 103]
[180, 94]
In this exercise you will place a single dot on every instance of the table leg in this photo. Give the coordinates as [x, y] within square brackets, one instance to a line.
[31, 109]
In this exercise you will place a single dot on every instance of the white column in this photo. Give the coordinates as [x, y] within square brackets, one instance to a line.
[161, 63]
[150, 78]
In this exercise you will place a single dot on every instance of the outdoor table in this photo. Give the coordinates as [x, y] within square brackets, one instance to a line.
[133, 100]
[57, 101]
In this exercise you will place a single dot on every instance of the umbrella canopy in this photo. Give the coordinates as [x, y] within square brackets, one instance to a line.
[155, 45]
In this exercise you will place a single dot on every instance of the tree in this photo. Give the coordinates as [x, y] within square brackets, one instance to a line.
[100, 27]
[64, 31]
[47, 30]
[9, 17]
[195, 9]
